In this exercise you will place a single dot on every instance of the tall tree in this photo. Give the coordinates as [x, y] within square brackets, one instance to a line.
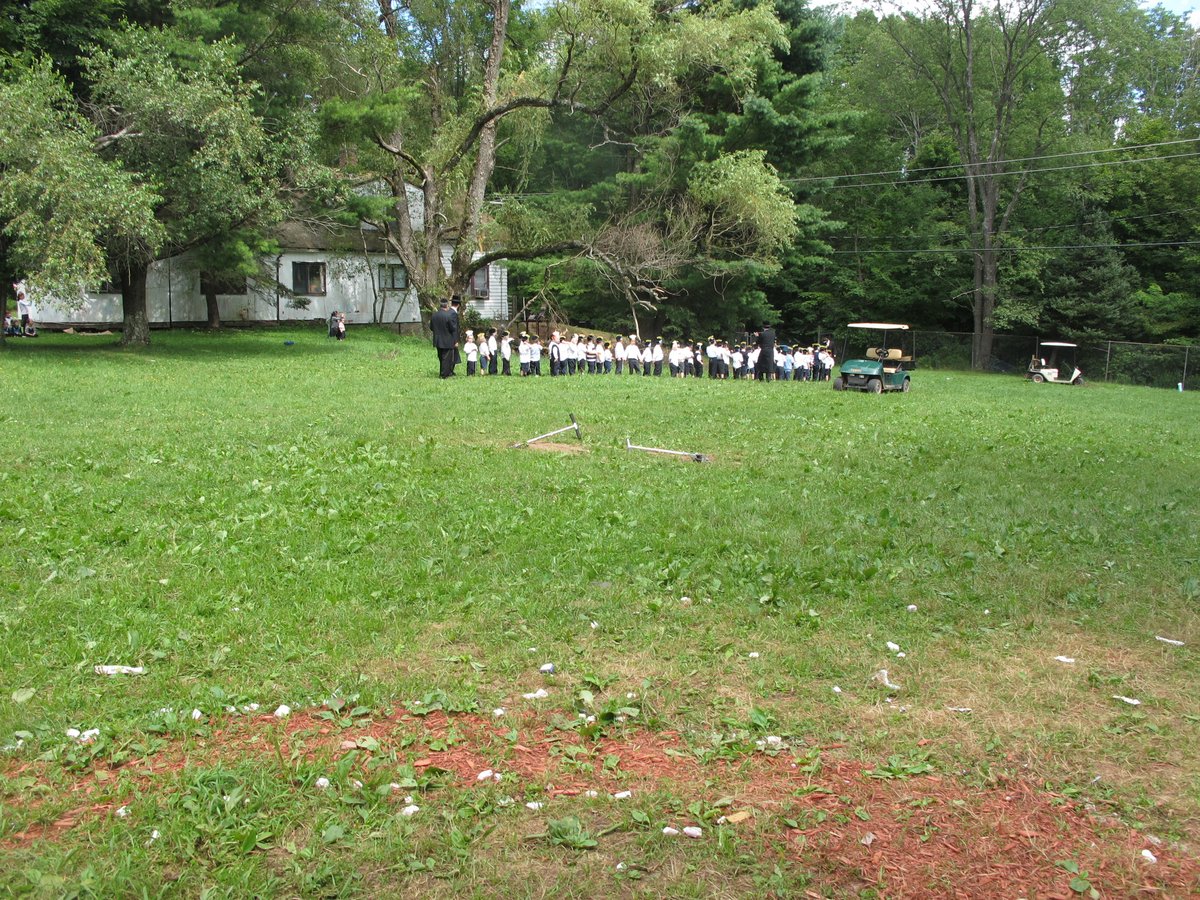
[433, 91]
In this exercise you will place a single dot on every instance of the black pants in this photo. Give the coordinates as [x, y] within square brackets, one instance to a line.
[492, 365]
[620, 363]
[634, 367]
[507, 370]
[657, 367]
[571, 366]
[446, 361]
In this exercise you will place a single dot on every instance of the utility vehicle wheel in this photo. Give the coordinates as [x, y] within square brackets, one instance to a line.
[875, 386]
[1080, 381]
[838, 384]
[904, 388]
[1038, 378]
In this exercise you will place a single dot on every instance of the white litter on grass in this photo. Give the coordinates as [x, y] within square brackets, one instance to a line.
[893, 646]
[630, 695]
[622, 795]
[1130, 700]
[322, 782]
[411, 810]
[396, 786]
[250, 707]
[912, 607]
[670, 832]
[119, 670]
[620, 867]
[532, 650]
[774, 740]
[959, 709]
[1149, 857]
[836, 689]
[987, 612]
[882, 677]
[539, 694]
[154, 835]
[595, 625]
[231, 709]
[197, 715]
[357, 784]
[499, 711]
[1159, 637]
[591, 795]
[485, 775]
[693, 832]
[123, 812]
[83, 737]
[1069, 660]
[753, 654]
[901, 655]
[533, 805]
[283, 711]
[547, 669]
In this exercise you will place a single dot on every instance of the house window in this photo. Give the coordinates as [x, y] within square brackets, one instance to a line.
[479, 284]
[393, 277]
[308, 278]
[226, 285]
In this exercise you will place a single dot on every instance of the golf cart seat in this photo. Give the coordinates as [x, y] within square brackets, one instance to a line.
[891, 357]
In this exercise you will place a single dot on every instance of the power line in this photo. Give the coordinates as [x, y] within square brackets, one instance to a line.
[1092, 165]
[1021, 231]
[1024, 159]
[1025, 249]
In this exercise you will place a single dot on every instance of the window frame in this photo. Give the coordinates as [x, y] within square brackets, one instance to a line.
[306, 291]
[388, 283]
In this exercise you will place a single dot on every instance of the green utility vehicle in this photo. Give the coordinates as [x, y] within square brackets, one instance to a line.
[884, 368]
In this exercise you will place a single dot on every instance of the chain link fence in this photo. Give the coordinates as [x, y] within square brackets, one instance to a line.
[1121, 362]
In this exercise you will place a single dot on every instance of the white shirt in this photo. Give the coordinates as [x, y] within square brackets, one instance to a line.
[535, 352]
[523, 352]
[648, 355]
[656, 353]
[506, 348]
[24, 306]
[632, 352]
[471, 349]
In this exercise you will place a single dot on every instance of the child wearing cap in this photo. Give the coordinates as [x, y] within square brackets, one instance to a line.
[505, 343]
[535, 357]
[618, 354]
[471, 352]
[523, 351]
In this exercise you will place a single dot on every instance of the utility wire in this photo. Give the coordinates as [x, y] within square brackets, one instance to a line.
[1023, 159]
[1025, 249]
[1092, 165]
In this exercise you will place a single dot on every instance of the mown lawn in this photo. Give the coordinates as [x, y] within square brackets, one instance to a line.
[329, 526]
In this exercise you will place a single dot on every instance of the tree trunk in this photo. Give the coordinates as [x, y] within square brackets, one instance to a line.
[210, 302]
[136, 327]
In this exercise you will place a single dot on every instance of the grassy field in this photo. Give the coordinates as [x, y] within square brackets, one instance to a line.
[330, 527]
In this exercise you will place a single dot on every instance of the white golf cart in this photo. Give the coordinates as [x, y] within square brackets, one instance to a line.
[1054, 363]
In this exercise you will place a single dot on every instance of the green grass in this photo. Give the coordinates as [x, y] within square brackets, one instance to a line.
[284, 524]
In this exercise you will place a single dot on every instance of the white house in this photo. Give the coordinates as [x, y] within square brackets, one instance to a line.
[317, 271]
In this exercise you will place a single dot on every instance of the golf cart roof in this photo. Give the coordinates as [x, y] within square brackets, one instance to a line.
[1057, 344]
[878, 326]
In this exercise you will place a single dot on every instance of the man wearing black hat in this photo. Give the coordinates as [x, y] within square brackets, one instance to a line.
[444, 325]
[765, 370]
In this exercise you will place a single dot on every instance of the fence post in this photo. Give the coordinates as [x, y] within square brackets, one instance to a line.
[1107, 360]
[1185, 364]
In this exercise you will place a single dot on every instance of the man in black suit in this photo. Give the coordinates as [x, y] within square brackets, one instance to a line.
[444, 325]
[765, 370]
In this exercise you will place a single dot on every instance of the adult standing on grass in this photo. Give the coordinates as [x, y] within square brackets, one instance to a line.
[765, 368]
[444, 325]
[24, 308]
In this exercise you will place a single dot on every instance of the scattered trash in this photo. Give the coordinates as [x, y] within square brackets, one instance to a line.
[695, 457]
[251, 707]
[735, 817]
[396, 786]
[83, 737]
[670, 832]
[620, 867]
[987, 612]
[591, 795]
[547, 669]
[485, 775]
[1159, 637]
[959, 709]
[119, 670]
[197, 715]
[693, 832]
[622, 795]
[533, 805]
[1069, 660]
[630, 695]
[774, 740]
[912, 607]
[1149, 857]
[539, 694]
[411, 810]
[1130, 700]
[893, 646]
[358, 785]
[901, 655]
[154, 835]
[882, 677]
[349, 745]
[283, 711]
[499, 711]
[868, 839]
[836, 689]
[595, 625]
[123, 812]
[322, 782]
[753, 654]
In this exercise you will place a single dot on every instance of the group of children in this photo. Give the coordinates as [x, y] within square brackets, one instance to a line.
[491, 354]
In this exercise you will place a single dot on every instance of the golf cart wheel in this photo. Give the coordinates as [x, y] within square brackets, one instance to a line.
[1037, 378]
[906, 386]
[839, 384]
[875, 386]
[1079, 381]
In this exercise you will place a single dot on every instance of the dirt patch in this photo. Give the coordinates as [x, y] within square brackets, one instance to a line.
[922, 836]
[552, 447]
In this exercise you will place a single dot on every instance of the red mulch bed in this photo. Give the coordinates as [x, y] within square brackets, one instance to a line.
[924, 836]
